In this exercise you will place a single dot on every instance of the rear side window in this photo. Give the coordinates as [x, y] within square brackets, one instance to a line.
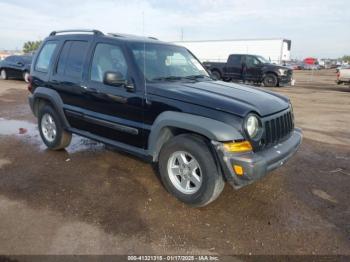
[44, 59]
[72, 59]
[234, 60]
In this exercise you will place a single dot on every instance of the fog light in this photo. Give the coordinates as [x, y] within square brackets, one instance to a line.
[238, 170]
[243, 146]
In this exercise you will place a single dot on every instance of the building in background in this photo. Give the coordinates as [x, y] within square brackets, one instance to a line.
[277, 50]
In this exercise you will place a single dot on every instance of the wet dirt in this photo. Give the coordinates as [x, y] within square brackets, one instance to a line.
[90, 199]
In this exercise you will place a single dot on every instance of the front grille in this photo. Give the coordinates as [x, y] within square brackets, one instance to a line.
[277, 128]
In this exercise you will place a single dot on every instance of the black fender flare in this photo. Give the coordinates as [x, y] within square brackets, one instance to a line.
[53, 97]
[212, 129]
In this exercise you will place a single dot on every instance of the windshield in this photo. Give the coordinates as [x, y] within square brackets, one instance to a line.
[263, 60]
[166, 62]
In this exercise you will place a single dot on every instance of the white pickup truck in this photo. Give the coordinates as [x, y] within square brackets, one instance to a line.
[343, 75]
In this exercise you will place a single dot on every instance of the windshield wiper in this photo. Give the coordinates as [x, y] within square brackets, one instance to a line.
[167, 78]
[178, 78]
[196, 77]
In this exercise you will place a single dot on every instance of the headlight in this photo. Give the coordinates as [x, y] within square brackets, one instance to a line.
[282, 71]
[252, 125]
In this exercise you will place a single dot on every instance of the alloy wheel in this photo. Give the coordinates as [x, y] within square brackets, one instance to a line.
[184, 172]
[48, 127]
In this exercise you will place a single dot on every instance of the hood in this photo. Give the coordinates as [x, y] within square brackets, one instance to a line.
[228, 97]
[276, 66]
[283, 67]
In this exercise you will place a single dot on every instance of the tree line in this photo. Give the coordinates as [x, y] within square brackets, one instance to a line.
[31, 46]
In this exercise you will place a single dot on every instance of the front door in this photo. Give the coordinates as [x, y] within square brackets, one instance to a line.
[113, 112]
[254, 69]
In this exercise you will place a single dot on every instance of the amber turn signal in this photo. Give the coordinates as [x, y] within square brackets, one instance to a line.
[235, 147]
[238, 170]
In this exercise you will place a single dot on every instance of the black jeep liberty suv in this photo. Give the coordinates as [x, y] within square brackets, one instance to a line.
[156, 100]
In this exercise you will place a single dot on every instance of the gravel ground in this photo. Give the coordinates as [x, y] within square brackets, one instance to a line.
[91, 199]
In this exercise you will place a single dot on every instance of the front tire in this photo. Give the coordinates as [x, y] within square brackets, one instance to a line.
[51, 129]
[3, 74]
[270, 80]
[188, 170]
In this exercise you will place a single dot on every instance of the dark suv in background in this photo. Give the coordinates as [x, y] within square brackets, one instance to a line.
[251, 68]
[16, 66]
[156, 100]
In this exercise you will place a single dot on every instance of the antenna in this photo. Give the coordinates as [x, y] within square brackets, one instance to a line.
[144, 56]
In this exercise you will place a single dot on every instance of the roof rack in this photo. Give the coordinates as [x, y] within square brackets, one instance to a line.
[129, 35]
[116, 35]
[95, 32]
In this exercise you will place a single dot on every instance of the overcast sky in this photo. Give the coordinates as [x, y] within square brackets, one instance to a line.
[317, 28]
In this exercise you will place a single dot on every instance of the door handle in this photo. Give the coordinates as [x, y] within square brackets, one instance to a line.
[90, 90]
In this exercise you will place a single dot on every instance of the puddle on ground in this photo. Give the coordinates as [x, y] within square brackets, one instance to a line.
[16, 127]
[29, 133]
[79, 144]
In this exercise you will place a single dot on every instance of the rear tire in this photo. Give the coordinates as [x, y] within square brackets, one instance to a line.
[3, 74]
[51, 129]
[188, 170]
[270, 80]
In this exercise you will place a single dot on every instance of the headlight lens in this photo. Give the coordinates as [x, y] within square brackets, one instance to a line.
[252, 126]
[282, 71]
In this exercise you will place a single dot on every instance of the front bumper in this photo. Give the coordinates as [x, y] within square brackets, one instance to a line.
[285, 80]
[257, 164]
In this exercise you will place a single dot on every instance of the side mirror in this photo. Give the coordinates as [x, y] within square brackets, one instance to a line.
[117, 79]
[114, 79]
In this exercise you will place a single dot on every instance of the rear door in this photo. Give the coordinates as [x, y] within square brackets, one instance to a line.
[112, 112]
[67, 76]
[19, 66]
[233, 67]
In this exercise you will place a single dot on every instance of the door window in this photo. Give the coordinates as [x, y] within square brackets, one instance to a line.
[44, 60]
[72, 59]
[251, 61]
[107, 57]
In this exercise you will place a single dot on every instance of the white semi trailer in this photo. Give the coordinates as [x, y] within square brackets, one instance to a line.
[277, 50]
